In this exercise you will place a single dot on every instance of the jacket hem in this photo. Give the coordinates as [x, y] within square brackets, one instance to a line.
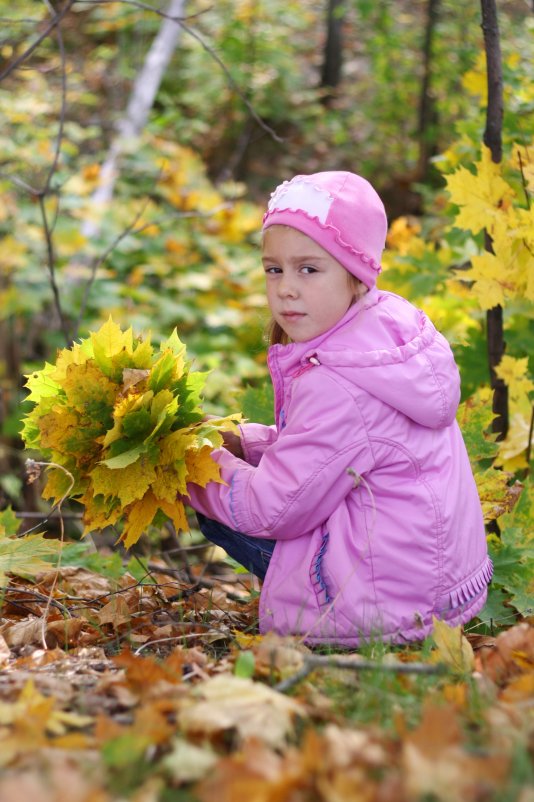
[468, 589]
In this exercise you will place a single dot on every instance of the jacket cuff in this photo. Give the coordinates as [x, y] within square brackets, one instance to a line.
[255, 439]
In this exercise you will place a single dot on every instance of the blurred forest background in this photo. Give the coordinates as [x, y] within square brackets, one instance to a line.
[138, 147]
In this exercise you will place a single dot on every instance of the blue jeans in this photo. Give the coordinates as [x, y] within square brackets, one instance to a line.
[253, 553]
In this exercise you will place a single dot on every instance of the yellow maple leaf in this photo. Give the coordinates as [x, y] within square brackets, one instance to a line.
[57, 485]
[176, 512]
[139, 516]
[511, 456]
[201, 467]
[522, 225]
[401, 231]
[77, 355]
[98, 512]
[496, 495]
[170, 481]
[453, 647]
[522, 159]
[57, 426]
[514, 373]
[129, 484]
[89, 391]
[475, 80]
[498, 275]
[110, 340]
[174, 445]
[482, 197]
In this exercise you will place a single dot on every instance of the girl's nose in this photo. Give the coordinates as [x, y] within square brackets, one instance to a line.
[287, 287]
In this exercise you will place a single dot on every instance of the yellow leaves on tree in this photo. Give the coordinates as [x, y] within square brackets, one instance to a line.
[488, 202]
[481, 196]
[125, 421]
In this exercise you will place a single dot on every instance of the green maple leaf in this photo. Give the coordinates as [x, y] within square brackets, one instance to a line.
[25, 555]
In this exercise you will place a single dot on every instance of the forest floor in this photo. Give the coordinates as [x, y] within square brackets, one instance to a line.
[153, 685]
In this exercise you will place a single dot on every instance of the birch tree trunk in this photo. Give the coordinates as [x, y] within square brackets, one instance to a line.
[142, 98]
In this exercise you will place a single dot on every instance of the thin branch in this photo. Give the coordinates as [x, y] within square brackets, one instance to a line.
[211, 52]
[33, 469]
[99, 261]
[146, 7]
[27, 53]
[523, 179]
[38, 597]
[313, 662]
[62, 110]
[130, 229]
[529, 444]
[252, 111]
[51, 267]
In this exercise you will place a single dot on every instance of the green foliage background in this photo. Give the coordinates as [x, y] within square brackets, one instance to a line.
[178, 246]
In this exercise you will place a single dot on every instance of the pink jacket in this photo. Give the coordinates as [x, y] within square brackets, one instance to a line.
[364, 482]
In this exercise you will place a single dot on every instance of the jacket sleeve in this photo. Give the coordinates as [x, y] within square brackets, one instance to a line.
[255, 438]
[302, 477]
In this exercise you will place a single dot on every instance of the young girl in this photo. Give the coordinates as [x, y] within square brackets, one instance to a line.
[358, 509]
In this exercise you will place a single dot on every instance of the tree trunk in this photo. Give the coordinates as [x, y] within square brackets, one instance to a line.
[333, 51]
[493, 140]
[427, 123]
[141, 100]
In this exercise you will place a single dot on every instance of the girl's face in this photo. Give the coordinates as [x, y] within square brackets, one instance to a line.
[307, 289]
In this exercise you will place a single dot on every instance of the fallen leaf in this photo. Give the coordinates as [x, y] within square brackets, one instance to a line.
[187, 762]
[436, 763]
[115, 612]
[512, 653]
[23, 632]
[453, 647]
[254, 710]
[5, 652]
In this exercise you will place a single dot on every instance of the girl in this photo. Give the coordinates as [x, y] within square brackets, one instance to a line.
[358, 509]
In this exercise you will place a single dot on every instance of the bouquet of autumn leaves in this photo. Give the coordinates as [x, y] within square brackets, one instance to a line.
[122, 427]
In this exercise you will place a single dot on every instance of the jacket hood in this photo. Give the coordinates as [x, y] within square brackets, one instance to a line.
[390, 349]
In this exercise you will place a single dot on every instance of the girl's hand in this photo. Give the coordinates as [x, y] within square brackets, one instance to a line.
[231, 441]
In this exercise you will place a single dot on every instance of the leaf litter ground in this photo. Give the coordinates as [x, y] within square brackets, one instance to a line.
[156, 686]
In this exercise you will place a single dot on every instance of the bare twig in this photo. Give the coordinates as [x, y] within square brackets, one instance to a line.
[51, 266]
[62, 111]
[38, 597]
[252, 111]
[316, 661]
[98, 262]
[33, 467]
[523, 179]
[27, 53]
[211, 52]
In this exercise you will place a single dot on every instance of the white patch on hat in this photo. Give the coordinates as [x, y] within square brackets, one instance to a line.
[303, 195]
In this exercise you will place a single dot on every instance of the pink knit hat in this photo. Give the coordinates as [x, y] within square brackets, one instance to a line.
[341, 212]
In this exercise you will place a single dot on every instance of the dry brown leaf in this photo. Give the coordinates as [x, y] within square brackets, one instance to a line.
[256, 774]
[24, 632]
[66, 631]
[115, 612]
[513, 652]
[252, 709]
[283, 654]
[435, 761]
[5, 652]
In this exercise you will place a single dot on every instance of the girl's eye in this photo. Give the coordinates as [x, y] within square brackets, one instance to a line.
[308, 269]
[273, 269]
